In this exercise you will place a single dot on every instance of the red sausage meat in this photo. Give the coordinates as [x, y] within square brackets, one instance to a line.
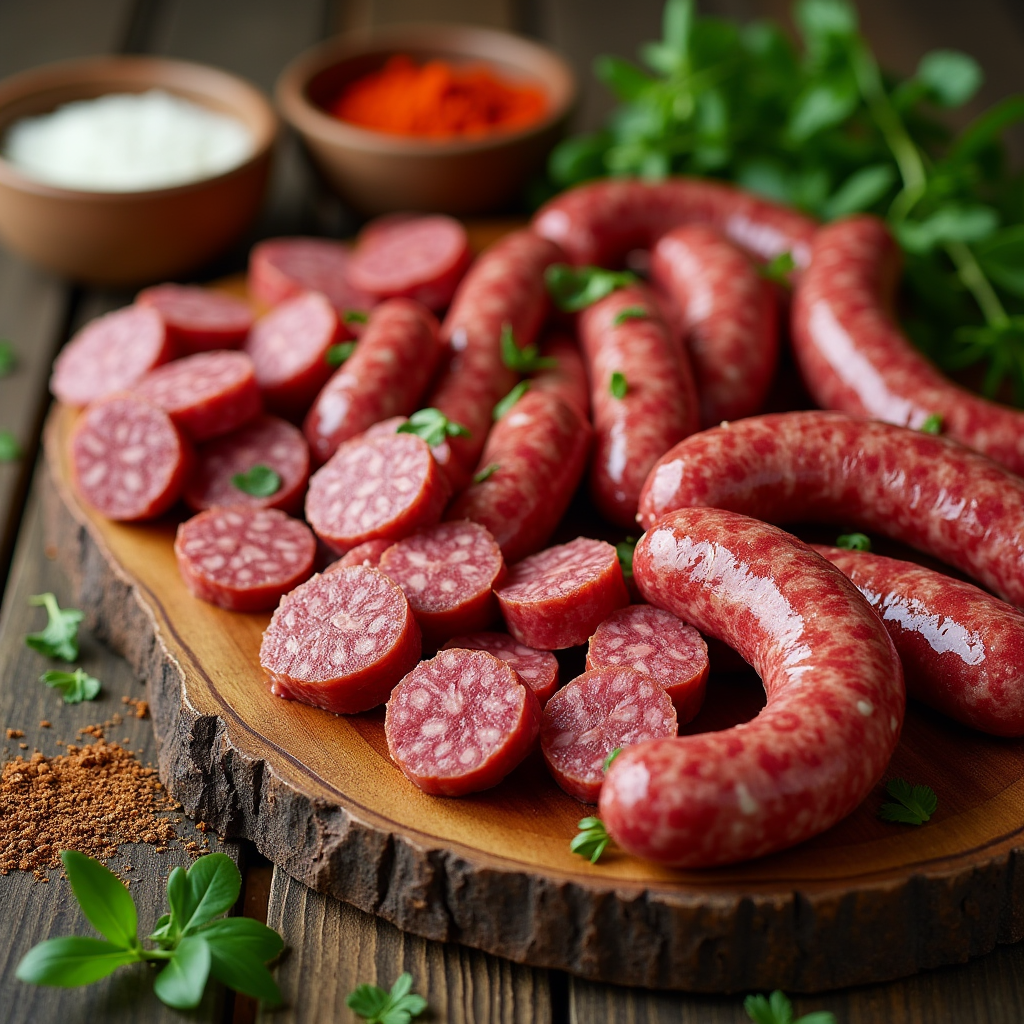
[536, 669]
[199, 319]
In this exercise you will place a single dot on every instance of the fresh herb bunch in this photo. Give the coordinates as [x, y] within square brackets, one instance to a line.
[821, 127]
[777, 1009]
[193, 941]
[398, 1006]
[60, 637]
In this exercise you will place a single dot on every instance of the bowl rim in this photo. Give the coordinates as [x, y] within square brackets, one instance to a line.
[309, 119]
[23, 84]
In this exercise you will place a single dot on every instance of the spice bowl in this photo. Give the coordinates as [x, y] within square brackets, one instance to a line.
[377, 172]
[131, 238]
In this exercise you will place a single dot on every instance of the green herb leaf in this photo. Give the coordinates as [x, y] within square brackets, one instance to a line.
[779, 267]
[953, 223]
[932, 424]
[8, 358]
[575, 288]
[181, 983]
[72, 961]
[630, 313]
[486, 473]
[60, 637]
[822, 105]
[915, 804]
[355, 316]
[617, 386]
[74, 686]
[1002, 257]
[260, 481]
[951, 77]
[10, 450]
[239, 951]
[624, 549]
[592, 840]
[339, 353]
[510, 399]
[522, 360]
[614, 753]
[860, 191]
[854, 541]
[777, 1009]
[433, 426]
[104, 899]
[214, 884]
[398, 1006]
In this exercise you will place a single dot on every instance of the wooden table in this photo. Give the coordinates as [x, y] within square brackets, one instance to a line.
[331, 947]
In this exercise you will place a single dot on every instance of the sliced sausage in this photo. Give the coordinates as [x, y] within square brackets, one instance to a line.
[962, 649]
[244, 558]
[375, 488]
[266, 441]
[421, 258]
[926, 491]
[128, 459]
[655, 408]
[568, 378]
[386, 376]
[367, 553]
[558, 597]
[110, 354]
[657, 644]
[587, 719]
[207, 395]
[854, 357]
[448, 573]
[341, 642]
[460, 723]
[537, 670]
[729, 317]
[533, 462]
[199, 319]
[833, 681]
[600, 222]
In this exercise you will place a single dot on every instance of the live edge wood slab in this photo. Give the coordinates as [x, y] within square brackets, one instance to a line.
[867, 901]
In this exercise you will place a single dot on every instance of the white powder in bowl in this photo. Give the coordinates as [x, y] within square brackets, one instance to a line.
[127, 142]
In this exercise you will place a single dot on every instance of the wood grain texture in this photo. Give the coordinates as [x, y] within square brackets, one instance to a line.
[342, 947]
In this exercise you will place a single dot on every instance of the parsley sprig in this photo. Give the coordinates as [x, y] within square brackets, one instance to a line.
[486, 473]
[8, 358]
[260, 481]
[854, 541]
[610, 759]
[433, 426]
[592, 840]
[339, 353]
[193, 941]
[914, 804]
[510, 399]
[398, 1006]
[777, 1009]
[630, 313]
[74, 686]
[624, 549]
[522, 360]
[60, 637]
[10, 450]
[575, 288]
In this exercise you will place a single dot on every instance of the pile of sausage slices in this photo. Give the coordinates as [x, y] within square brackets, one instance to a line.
[448, 453]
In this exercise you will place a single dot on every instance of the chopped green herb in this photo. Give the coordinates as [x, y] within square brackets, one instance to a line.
[376, 1006]
[355, 316]
[433, 426]
[777, 1009]
[592, 840]
[630, 313]
[522, 360]
[8, 358]
[9, 447]
[618, 385]
[74, 686]
[610, 758]
[261, 481]
[510, 399]
[60, 637]
[914, 804]
[854, 541]
[932, 425]
[486, 473]
[339, 353]
[575, 288]
[624, 549]
[778, 268]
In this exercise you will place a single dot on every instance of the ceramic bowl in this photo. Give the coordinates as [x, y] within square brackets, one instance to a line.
[130, 238]
[377, 172]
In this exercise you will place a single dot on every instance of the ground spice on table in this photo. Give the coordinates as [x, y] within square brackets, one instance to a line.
[91, 798]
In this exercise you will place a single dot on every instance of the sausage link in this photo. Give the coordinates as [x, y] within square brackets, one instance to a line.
[568, 379]
[833, 681]
[926, 491]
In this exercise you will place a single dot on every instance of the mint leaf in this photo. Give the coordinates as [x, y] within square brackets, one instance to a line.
[60, 637]
[398, 1006]
[618, 386]
[915, 804]
[239, 951]
[854, 541]
[339, 353]
[522, 360]
[103, 898]
[260, 481]
[74, 686]
[575, 288]
[72, 961]
[214, 884]
[180, 984]
[510, 399]
[10, 450]
[777, 1009]
[433, 426]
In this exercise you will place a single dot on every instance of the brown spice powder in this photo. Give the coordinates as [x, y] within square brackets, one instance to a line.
[92, 799]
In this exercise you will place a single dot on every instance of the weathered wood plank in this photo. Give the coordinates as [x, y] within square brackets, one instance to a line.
[492, 13]
[332, 948]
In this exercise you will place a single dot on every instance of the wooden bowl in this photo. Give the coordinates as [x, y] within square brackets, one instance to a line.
[130, 238]
[377, 172]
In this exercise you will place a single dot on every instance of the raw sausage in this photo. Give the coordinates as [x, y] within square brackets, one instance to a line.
[600, 222]
[385, 376]
[568, 378]
[598, 711]
[207, 395]
[833, 681]
[448, 573]
[926, 491]
[460, 723]
[128, 459]
[657, 644]
[853, 356]
[962, 649]
[729, 317]
[341, 642]
[266, 441]
[377, 488]
[532, 464]
[537, 670]
[558, 597]
[109, 354]
[244, 558]
[199, 319]
[658, 405]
